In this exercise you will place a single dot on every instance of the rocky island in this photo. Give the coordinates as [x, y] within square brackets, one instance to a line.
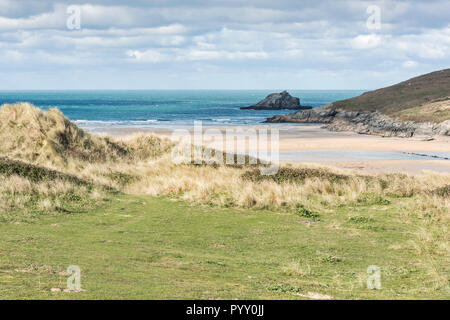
[278, 101]
[417, 107]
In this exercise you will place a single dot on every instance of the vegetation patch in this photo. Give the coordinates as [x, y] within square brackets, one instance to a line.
[284, 288]
[201, 156]
[373, 199]
[34, 173]
[436, 111]
[302, 212]
[295, 175]
[443, 191]
[121, 178]
[360, 219]
[331, 259]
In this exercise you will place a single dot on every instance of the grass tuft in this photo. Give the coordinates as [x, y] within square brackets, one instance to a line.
[9, 167]
[442, 191]
[302, 212]
[295, 175]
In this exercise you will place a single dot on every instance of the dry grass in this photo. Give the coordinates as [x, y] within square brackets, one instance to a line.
[242, 187]
[297, 269]
[438, 111]
[22, 199]
[49, 138]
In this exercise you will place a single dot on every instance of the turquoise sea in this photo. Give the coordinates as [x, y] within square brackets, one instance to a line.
[166, 108]
[106, 110]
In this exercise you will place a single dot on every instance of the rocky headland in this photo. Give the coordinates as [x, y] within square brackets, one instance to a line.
[365, 122]
[418, 107]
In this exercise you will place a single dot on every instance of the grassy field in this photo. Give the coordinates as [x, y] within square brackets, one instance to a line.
[157, 248]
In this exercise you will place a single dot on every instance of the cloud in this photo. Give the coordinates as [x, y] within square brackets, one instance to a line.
[152, 56]
[409, 64]
[368, 41]
[227, 38]
[198, 55]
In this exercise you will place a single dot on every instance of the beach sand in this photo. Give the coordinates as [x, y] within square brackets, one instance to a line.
[294, 138]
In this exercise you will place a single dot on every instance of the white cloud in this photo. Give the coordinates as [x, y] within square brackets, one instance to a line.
[258, 37]
[409, 64]
[368, 41]
[54, 19]
[152, 56]
[198, 55]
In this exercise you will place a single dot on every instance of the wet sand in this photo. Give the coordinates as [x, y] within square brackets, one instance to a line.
[313, 137]
[393, 166]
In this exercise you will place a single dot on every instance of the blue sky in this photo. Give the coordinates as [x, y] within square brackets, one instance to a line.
[217, 44]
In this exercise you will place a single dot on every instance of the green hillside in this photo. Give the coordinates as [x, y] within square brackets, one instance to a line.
[417, 92]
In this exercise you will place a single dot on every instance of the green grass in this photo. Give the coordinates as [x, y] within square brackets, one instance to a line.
[154, 248]
[295, 175]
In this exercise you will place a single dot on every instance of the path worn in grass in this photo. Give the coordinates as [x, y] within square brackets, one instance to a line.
[149, 248]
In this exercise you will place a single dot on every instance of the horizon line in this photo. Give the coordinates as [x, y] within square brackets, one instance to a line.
[10, 90]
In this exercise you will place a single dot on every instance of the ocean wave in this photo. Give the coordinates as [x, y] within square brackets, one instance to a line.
[169, 122]
[221, 119]
[113, 122]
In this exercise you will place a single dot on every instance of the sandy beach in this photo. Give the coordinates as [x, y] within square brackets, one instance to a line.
[298, 141]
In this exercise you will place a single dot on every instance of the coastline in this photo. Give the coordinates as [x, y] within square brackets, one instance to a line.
[300, 139]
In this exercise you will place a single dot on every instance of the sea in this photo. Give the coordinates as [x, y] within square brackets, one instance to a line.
[166, 108]
[102, 111]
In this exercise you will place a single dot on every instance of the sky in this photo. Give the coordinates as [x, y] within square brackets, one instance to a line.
[220, 44]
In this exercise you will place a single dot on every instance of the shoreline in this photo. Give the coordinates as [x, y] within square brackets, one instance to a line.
[314, 138]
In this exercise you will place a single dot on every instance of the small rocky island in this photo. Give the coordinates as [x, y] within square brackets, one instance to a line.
[278, 101]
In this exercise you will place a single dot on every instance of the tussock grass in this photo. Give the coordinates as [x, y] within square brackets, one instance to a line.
[39, 136]
[48, 137]
[34, 173]
[24, 200]
[443, 191]
[314, 188]
[295, 175]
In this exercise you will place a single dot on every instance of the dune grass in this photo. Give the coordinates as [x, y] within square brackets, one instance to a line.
[28, 191]
[311, 186]
[49, 138]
